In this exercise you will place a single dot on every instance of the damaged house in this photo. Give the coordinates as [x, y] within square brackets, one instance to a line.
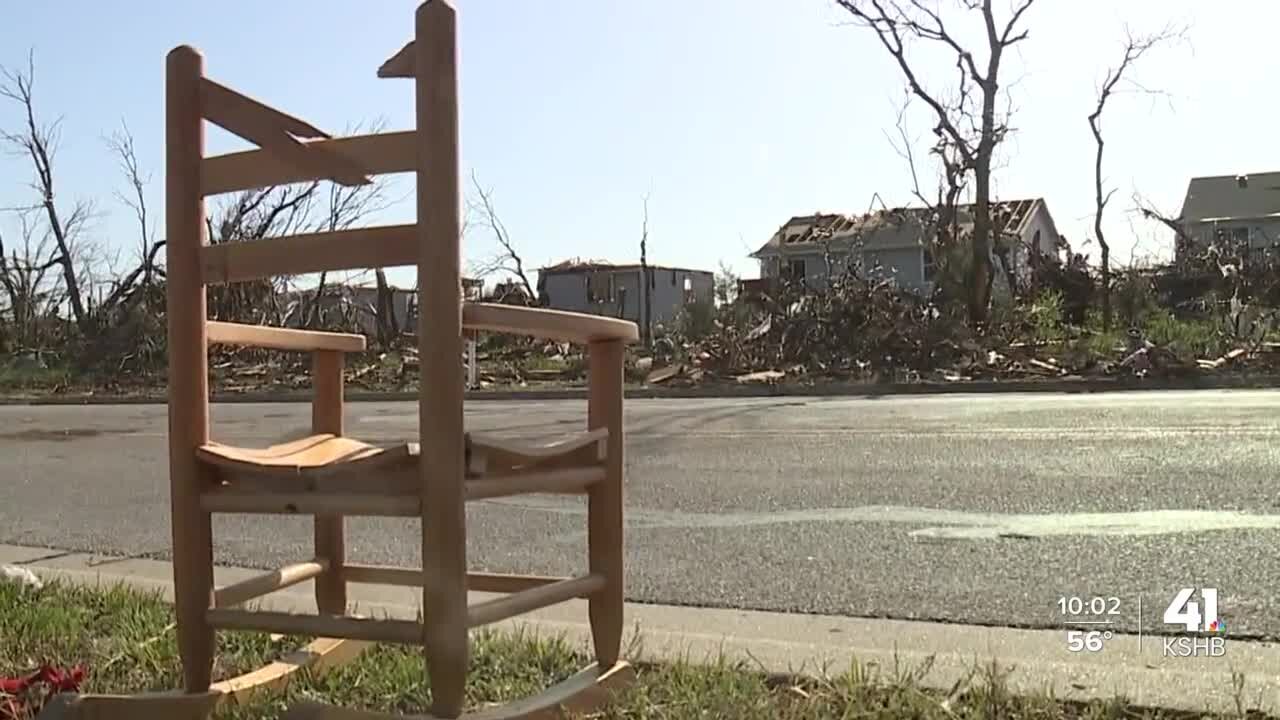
[603, 288]
[1240, 211]
[895, 244]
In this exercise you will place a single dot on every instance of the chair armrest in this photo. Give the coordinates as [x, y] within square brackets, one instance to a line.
[266, 336]
[549, 324]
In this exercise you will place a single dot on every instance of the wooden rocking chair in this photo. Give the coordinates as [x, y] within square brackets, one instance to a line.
[329, 475]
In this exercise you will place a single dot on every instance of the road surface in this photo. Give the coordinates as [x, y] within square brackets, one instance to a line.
[980, 509]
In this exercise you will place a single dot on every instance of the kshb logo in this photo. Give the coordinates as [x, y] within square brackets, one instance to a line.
[1188, 614]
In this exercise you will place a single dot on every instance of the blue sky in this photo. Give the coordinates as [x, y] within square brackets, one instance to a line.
[732, 115]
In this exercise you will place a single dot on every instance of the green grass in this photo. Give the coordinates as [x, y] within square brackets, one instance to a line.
[19, 375]
[126, 640]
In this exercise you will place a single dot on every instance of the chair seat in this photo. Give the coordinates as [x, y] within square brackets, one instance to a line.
[327, 454]
[316, 454]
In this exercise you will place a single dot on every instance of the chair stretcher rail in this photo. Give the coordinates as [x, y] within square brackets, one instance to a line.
[530, 600]
[414, 577]
[268, 582]
[231, 500]
[330, 626]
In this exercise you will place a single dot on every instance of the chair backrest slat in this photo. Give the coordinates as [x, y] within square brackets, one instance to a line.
[375, 247]
[377, 154]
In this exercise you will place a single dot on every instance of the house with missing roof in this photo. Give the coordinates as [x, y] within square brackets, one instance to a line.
[1243, 210]
[894, 244]
[618, 290]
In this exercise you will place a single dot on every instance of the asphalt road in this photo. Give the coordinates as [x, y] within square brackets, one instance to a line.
[969, 508]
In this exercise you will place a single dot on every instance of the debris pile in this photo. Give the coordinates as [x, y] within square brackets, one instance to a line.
[23, 697]
[869, 332]
[854, 330]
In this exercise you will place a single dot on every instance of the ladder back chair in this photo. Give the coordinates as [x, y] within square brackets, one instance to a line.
[329, 475]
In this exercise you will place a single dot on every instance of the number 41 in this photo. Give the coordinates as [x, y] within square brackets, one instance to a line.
[1186, 612]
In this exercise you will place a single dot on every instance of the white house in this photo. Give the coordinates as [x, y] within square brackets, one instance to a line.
[894, 243]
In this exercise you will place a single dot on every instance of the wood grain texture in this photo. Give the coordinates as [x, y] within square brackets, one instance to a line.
[412, 577]
[233, 500]
[316, 657]
[605, 551]
[188, 366]
[277, 133]
[267, 582]
[377, 153]
[561, 325]
[329, 530]
[525, 601]
[354, 249]
[319, 455]
[329, 626]
[400, 65]
[444, 531]
[265, 336]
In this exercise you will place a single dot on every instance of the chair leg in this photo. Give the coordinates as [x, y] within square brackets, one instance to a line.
[330, 530]
[447, 659]
[330, 544]
[193, 595]
[446, 642]
[604, 502]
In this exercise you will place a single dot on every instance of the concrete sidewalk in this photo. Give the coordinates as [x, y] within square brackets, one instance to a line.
[1038, 660]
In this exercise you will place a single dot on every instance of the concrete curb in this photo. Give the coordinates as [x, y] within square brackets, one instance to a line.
[789, 644]
[1090, 385]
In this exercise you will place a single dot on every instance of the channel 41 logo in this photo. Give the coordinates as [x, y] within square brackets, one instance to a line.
[1185, 611]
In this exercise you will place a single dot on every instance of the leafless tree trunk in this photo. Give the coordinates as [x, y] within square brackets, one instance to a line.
[507, 259]
[942, 220]
[346, 207]
[894, 23]
[38, 142]
[1182, 241]
[141, 277]
[253, 215]
[1134, 49]
[27, 296]
[646, 278]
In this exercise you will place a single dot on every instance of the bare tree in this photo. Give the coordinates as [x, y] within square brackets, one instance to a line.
[253, 215]
[971, 132]
[28, 297]
[940, 222]
[506, 260]
[345, 207]
[121, 143]
[646, 277]
[1135, 47]
[38, 142]
[126, 289]
[1182, 240]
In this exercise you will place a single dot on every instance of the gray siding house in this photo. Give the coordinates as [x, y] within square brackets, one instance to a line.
[892, 244]
[1243, 210]
[603, 288]
[361, 299]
